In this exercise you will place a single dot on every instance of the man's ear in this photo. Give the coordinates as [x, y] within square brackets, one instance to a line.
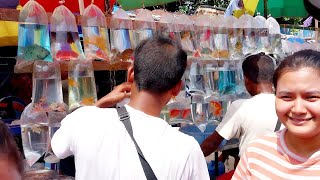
[177, 88]
[130, 74]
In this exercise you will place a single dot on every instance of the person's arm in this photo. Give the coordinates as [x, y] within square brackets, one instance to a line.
[118, 94]
[211, 144]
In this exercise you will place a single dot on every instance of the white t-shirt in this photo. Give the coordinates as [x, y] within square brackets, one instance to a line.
[104, 150]
[255, 116]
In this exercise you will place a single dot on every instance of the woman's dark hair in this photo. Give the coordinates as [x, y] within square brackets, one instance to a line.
[9, 149]
[258, 68]
[159, 64]
[300, 59]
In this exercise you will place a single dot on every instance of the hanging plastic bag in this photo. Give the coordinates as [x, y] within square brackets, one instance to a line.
[179, 109]
[121, 38]
[42, 117]
[249, 45]
[82, 87]
[261, 34]
[220, 39]
[204, 33]
[65, 41]
[235, 38]
[95, 34]
[187, 34]
[33, 38]
[144, 26]
[168, 27]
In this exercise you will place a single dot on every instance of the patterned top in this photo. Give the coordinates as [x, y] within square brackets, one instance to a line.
[269, 158]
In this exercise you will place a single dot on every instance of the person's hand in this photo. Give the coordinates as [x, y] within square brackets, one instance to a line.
[118, 94]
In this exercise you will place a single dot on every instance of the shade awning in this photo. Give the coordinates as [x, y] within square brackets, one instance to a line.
[283, 8]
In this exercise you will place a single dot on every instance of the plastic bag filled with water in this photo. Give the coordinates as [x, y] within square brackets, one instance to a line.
[33, 38]
[179, 109]
[220, 39]
[249, 45]
[204, 33]
[220, 79]
[235, 38]
[42, 117]
[187, 34]
[65, 41]
[144, 26]
[95, 34]
[261, 34]
[81, 83]
[168, 27]
[274, 35]
[121, 37]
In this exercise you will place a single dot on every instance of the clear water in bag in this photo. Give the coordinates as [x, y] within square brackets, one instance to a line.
[188, 42]
[142, 34]
[121, 44]
[34, 42]
[86, 95]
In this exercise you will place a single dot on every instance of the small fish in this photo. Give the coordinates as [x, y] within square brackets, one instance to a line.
[101, 55]
[66, 55]
[174, 113]
[197, 54]
[171, 35]
[238, 46]
[216, 108]
[34, 52]
[72, 82]
[186, 113]
[87, 101]
[98, 41]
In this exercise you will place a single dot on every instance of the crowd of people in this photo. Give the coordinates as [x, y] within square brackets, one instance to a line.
[134, 143]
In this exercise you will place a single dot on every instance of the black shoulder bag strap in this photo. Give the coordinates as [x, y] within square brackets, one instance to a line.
[125, 119]
[277, 126]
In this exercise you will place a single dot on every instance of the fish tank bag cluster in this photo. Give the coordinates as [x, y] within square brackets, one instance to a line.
[42, 117]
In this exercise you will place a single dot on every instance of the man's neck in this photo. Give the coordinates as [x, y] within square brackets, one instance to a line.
[264, 88]
[146, 102]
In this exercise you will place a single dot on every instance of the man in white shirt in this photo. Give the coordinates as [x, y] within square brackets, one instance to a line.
[102, 147]
[252, 117]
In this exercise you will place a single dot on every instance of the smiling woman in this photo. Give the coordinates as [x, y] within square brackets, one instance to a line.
[278, 155]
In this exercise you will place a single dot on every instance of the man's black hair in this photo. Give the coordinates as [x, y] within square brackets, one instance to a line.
[258, 68]
[159, 64]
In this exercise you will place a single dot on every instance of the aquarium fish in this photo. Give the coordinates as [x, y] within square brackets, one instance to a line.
[66, 55]
[216, 108]
[98, 41]
[72, 82]
[174, 113]
[87, 101]
[34, 52]
[186, 113]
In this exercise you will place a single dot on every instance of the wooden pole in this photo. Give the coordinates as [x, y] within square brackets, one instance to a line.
[265, 7]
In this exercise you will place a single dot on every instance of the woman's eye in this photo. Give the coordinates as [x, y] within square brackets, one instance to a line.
[312, 98]
[286, 98]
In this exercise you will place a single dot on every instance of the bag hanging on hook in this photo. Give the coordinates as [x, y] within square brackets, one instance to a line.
[33, 38]
[65, 41]
[95, 34]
